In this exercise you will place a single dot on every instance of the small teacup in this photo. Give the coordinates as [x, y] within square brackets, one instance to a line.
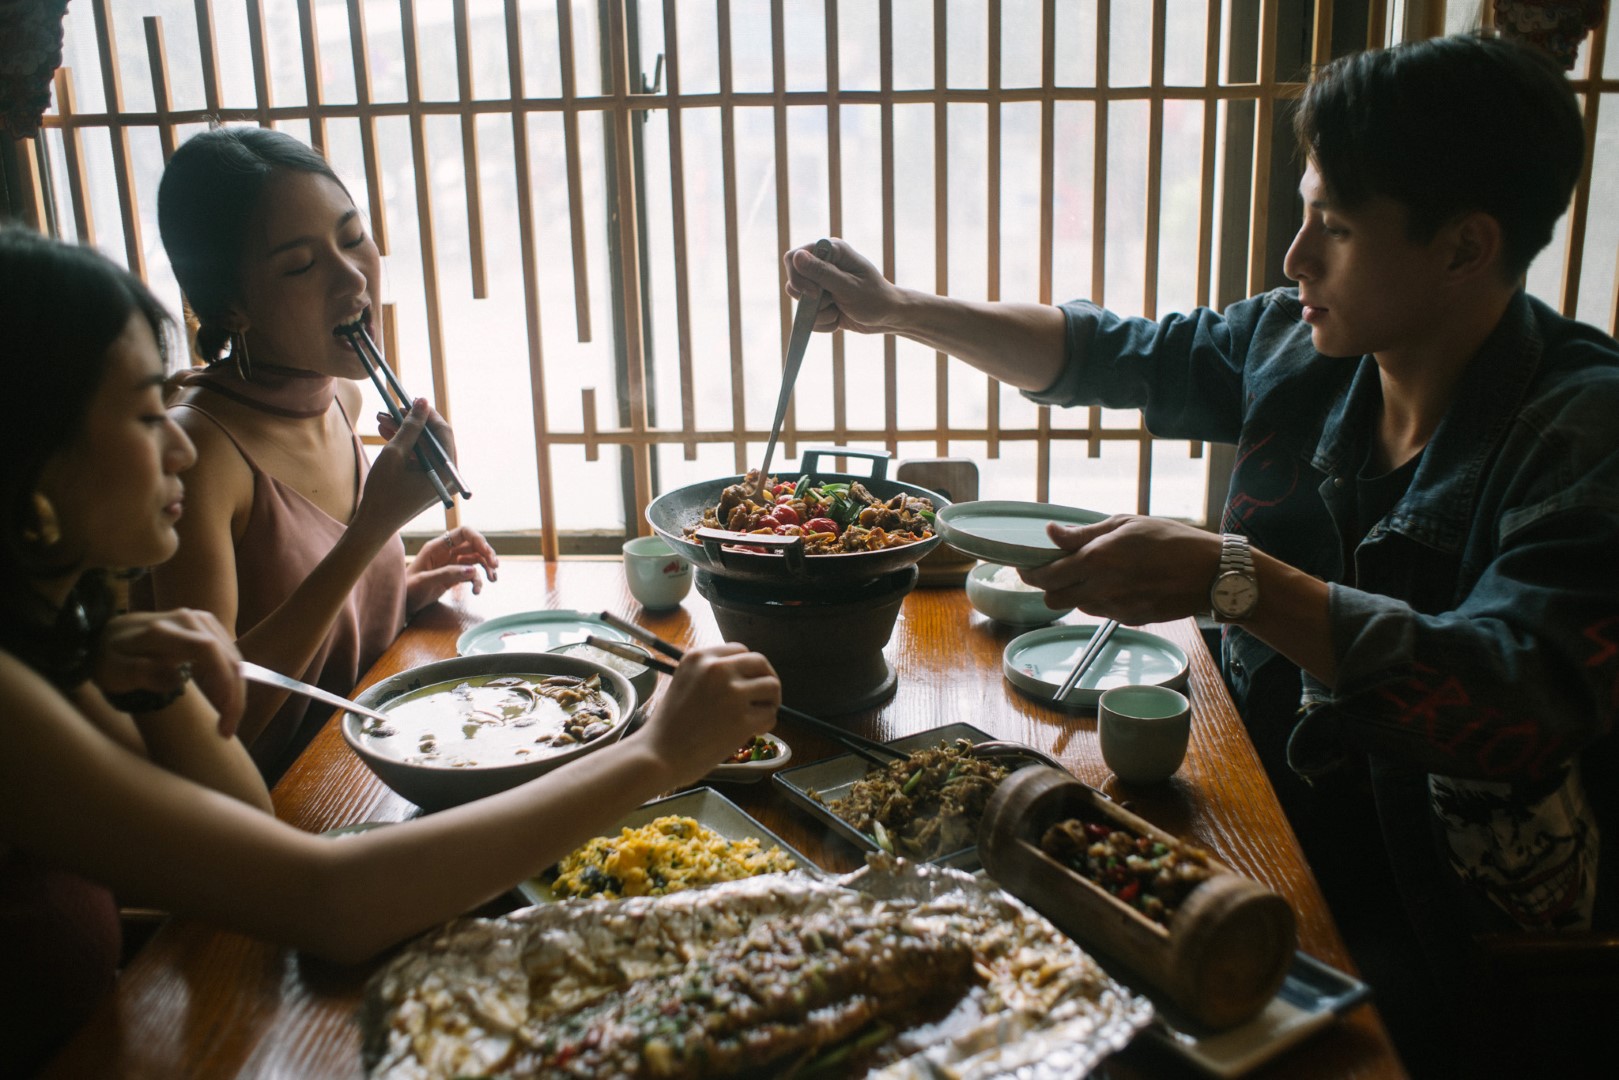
[1144, 731]
[658, 577]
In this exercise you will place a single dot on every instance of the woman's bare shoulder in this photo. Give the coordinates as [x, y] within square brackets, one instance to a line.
[221, 474]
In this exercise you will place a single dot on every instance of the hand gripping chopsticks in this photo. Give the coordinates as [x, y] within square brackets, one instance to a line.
[432, 456]
[873, 751]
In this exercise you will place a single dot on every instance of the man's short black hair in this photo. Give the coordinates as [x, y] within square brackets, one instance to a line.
[1446, 127]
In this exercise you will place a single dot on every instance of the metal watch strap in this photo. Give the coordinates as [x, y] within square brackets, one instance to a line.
[1236, 555]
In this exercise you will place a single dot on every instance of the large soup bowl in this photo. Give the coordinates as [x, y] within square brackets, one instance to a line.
[436, 786]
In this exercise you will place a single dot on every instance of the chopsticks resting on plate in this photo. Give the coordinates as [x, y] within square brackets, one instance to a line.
[1086, 659]
[873, 751]
[432, 456]
[643, 635]
[623, 649]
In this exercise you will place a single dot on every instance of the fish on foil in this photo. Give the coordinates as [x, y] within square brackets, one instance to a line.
[899, 970]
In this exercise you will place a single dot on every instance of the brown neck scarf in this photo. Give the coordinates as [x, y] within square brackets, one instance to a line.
[280, 391]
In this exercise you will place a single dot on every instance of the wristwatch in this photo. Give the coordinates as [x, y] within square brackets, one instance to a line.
[1235, 592]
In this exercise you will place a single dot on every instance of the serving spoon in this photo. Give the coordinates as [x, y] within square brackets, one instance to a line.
[255, 673]
[797, 342]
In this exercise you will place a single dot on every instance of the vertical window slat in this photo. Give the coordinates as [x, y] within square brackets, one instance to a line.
[733, 257]
[314, 89]
[885, 52]
[361, 53]
[469, 151]
[73, 152]
[123, 168]
[834, 202]
[427, 237]
[157, 57]
[677, 202]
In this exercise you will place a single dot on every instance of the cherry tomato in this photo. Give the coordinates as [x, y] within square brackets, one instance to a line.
[822, 525]
[1130, 890]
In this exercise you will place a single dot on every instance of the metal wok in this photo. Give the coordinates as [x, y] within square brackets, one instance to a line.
[670, 514]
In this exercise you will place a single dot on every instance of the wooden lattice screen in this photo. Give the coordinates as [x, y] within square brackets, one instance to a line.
[573, 66]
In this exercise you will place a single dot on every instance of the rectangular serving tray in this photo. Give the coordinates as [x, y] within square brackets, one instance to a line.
[1312, 996]
[711, 810]
[833, 777]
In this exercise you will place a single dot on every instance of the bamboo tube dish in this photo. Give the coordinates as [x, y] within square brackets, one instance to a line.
[1223, 952]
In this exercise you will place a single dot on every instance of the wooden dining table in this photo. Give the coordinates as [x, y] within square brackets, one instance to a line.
[198, 1001]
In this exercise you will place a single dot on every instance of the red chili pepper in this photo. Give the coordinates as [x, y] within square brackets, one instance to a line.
[769, 521]
[785, 486]
[1096, 831]
[1130, 891]
[821, 525]
[785, 514]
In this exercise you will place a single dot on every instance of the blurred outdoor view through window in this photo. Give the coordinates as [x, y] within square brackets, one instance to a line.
[485, 341]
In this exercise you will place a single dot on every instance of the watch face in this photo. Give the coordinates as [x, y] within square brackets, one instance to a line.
[1234, 595]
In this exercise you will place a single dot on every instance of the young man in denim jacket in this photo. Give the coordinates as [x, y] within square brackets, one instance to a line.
[1419, 572]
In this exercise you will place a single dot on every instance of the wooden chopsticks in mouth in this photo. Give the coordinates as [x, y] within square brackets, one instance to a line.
[432, 456]
[870, 749]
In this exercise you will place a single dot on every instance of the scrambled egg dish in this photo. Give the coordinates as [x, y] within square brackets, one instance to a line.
[664, 856]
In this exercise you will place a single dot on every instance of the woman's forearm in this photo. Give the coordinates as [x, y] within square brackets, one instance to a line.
[184, 738]
[287, 639]
[368, 892]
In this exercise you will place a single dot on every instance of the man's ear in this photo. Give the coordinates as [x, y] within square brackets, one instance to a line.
[1475, 245]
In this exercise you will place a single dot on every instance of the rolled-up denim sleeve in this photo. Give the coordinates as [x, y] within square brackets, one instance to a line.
[1522, 675]
[1183, 371]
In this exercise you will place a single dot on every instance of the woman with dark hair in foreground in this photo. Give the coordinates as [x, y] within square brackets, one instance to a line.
[122, 775]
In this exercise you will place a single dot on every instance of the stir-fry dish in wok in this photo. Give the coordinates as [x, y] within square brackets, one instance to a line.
[1150, 876]
[924, 805]
[832, 518]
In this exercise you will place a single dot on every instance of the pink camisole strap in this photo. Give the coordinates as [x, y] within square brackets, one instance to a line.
[286, 536]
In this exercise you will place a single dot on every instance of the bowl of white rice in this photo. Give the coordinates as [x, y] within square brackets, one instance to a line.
[998, 591]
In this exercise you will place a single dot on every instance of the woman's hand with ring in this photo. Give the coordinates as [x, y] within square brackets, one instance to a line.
[446, 561]
[144, 661]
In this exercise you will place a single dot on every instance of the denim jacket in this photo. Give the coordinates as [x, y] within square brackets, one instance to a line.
[1475, 628]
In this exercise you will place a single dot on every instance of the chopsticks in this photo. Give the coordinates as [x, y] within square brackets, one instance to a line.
[432, 456]
[1086, 659]
[643, 635]
[870, 749]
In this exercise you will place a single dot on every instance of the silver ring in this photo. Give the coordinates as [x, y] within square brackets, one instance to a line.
[183, 672]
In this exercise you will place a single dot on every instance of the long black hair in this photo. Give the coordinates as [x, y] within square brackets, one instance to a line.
[207, 198]
[62, 306]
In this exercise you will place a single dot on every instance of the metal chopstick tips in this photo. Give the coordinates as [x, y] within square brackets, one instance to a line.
[432, 456]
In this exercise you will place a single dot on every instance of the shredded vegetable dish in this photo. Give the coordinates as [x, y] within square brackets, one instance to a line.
[832, 518]
[663, 856]
[924, 805]
[1150, 876]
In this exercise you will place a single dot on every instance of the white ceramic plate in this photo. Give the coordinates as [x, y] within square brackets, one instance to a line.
[1039, 661]
[534, 631]
[1312, 996]
[751, 772]
[1008, 533]
[711, 810]
[833, 777]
